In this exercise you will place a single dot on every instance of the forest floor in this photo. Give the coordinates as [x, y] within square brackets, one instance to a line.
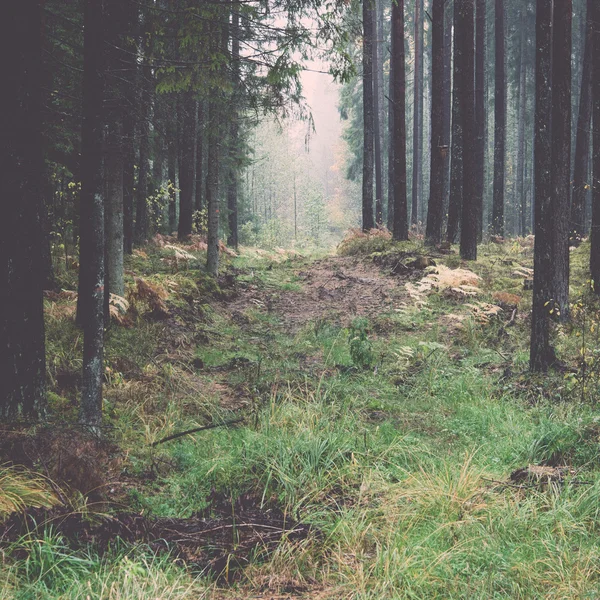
[376, 435]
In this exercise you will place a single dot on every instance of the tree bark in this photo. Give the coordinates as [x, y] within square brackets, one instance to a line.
[212, 190]
[91, 264]
[436, 201]
[377, 83]
[456, 169]
[398, 138]
[582, 144]
[447, 103]
[561, 152]
[466, 34]
[480, 25]
[499, 124]
[22, 354]
[541, 351]
[232, 188]
[522, 114]
[141, 213]
[200, 183]
[417, 166]
[595, 229]
[368, 120]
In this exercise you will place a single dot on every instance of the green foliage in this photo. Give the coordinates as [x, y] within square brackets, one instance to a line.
[361, 347]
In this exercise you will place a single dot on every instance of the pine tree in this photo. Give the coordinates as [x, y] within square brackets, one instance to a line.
[499, 123]
[368, 117]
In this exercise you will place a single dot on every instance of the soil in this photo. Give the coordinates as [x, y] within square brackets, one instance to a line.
[335, 288]
[220, 541]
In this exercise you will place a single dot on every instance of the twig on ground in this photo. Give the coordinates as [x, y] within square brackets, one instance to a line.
[195, 430]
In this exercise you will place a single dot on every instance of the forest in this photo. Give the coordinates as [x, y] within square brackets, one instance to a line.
[299, 299]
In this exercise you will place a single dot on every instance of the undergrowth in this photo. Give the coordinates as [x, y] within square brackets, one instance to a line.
[394, 438]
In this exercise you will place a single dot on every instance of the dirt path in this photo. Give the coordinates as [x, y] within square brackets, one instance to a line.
[336, 288]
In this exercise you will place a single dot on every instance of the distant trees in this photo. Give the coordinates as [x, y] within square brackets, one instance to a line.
[22, 356]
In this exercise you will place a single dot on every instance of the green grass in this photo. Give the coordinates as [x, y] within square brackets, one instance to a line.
[396, 465]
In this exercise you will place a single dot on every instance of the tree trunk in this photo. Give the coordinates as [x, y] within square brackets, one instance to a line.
[561, 153]
[91, 263]
[390, 190]
[417, 166]
[595, 229]
[200, 183]
[172, 169]
[436, 201]
[470, 210]
[188, 119]
[447, 103]
[499, 124]
[541, 351]
[368, 120]
[480, 25]
[212, 190]
[456, 169]
[232, 188]
[22, 355]
[141, 213]
[582, 144]
[377, 101]
[522, 113]
[398, 137]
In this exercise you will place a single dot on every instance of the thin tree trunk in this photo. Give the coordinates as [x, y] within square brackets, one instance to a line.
[200, 183]
[561, 152]
[22, 355]
[521, 203]
[417, 165]
[436, 200]
[470, 210]
[595, 229]
[480, 25]
[456, 169]
[141, 213]
[377, 75]
[232, 189]
[212, 190]
[398, 137]
[499, 124]
[91, 264]
[368, 120]
[582, 144]
[447, 103]
[390, 190]
[541, 351]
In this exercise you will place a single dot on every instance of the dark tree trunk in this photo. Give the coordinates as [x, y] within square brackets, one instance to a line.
[417, 166]
[541, 351]
[188, 119]
[232, 188]
[447, 103]
[522, 113]
[377, 68]
[128, 179]
[200, 183]
[398, 138]
[480, 25]
[390, 190]
[466, 35]
[172, 169]
[561, 152]
[22, 356]
[499, 124]
[582, 144]
[456, 169]
[436, 200]
[212, 189]
[595, 229]
[141, 213]
[91, 264]
[368, 120]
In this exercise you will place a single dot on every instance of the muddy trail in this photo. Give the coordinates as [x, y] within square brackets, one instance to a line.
[336, 289]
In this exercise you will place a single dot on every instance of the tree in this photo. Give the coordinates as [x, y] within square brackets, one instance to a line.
[417, 165]
[377, 108]
[22, 356]
[436, 200]
[466, 33]
[368, 116]
[541, 352]
[582, 144]
[398, 137]
[499, 124]
[561, 153]
[91, 264]
[188, 117]
[480, 25]
[456, 164]
[595, 232]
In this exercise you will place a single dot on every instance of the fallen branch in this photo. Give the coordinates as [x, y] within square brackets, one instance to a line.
[196, 430]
